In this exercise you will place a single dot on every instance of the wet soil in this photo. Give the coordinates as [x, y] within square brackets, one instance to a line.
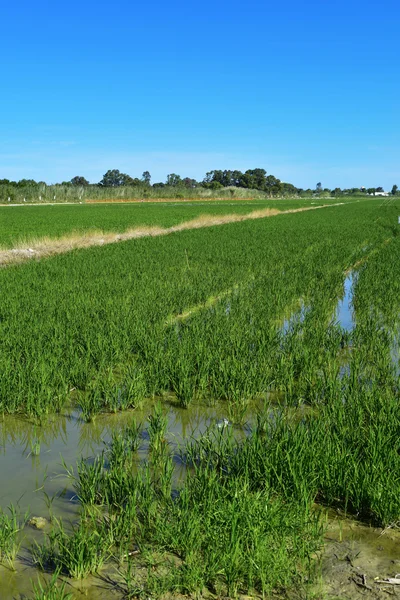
[355, 557]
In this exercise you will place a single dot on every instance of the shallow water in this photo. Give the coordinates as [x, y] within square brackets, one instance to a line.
[31, 462]
[295, 318]
[32, 456]
[344, 314]
[395, 352]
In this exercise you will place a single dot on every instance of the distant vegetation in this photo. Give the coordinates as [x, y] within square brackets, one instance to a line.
[253, 183]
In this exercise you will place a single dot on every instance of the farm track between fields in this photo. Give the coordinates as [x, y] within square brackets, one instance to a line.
[46, 247]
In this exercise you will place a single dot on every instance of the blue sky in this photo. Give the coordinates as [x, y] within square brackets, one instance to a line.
[308, 90]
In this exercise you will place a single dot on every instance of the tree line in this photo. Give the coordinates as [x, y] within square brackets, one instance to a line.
[256, 179]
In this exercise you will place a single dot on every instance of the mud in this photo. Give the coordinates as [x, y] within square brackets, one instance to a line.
[355, 557]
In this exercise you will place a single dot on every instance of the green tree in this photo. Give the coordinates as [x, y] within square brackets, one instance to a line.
[114, 178]
[79, 180]
[255, 179]
[394, 190]
[188, 182]
[174, 180]
[273, 185]
[146, 177]
[26, 183]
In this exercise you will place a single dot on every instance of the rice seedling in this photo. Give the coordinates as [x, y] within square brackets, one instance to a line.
[241, 520]
[75, 554]
[51, 590]
[157, 430]
[10, 527]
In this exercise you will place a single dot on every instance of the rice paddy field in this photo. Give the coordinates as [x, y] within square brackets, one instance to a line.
[209, 413]
[23, 224]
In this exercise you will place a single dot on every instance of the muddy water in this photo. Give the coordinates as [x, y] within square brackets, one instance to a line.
[31, 462]
[32, 456]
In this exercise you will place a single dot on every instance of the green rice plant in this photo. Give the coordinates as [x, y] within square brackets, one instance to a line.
[90, 404]
[51, 590]
[136, 389]
[10, 527]
[157, 429]
[76, 554]
[87, 484]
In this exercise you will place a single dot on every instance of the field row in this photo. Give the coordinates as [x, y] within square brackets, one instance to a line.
[21, 225]
[296, 317]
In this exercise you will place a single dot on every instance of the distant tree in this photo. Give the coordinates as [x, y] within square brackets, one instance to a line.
[255, 179]
[8, 182]
[213, 177]
[132, 181]
[272, 185]
[394, 190]
[79, 180]
[288, 188]
[379, 189]
[236, 178]
[173, 179]
[371, 190]
[215, 185]
[146, 177]
[26, 183]
[188, 182]
[114, 178]
[160, 184]
[318, 187]
[336, 192]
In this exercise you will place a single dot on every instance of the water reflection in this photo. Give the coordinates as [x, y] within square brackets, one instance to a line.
[344, 314]
[33, 457]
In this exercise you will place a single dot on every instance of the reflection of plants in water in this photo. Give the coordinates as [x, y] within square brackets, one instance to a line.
[10, 526]
[52, 590]
[16, 431]
[34, 443]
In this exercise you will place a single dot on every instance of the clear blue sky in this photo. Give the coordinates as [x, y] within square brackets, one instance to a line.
[310, 91]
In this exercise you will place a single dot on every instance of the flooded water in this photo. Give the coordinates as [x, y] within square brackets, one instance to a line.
[344, 314]
[296, 317]
[33, 458]
[395, 352]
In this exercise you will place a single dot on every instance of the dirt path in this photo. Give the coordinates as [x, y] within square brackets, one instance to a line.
[45, 247]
